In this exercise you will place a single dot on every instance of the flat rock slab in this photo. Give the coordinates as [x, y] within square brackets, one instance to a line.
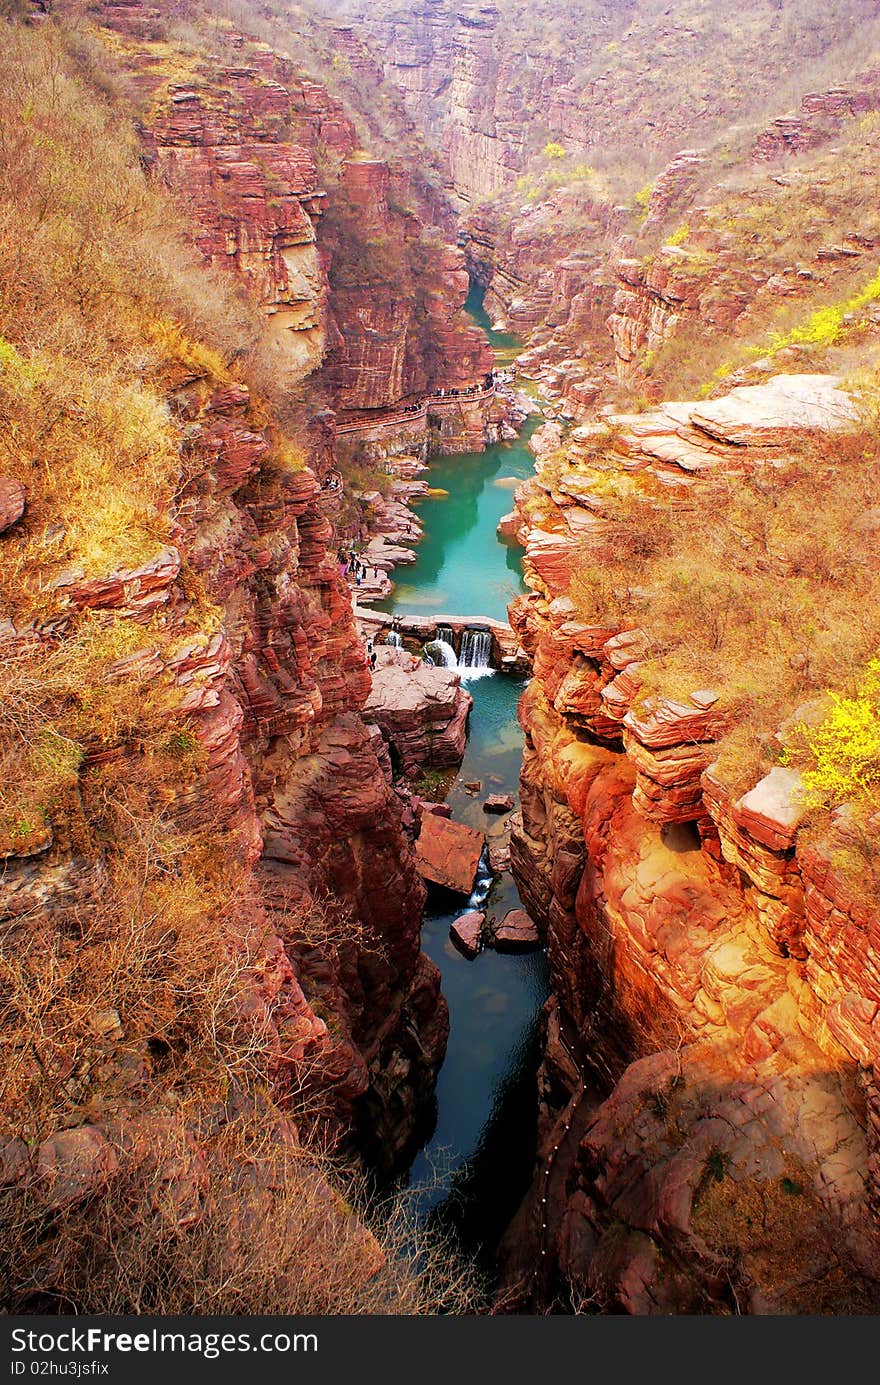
[499, 803]
[466, 932]
[763, 415]
[448, 853]
[771, 812]
[407, 693]
[516, 932]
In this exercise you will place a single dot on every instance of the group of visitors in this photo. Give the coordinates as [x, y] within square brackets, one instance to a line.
[488, 382]
[371, 643]
[350, 562]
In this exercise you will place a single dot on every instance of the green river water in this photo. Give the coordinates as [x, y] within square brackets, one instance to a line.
[475, 1167]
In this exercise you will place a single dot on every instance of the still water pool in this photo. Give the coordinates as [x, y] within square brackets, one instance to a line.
[461, 568]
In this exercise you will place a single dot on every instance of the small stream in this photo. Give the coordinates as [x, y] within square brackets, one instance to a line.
[477, 1164]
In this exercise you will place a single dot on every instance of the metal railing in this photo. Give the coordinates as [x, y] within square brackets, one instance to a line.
[439, 398]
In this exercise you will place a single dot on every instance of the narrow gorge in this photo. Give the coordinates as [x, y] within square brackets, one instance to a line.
[441, 610]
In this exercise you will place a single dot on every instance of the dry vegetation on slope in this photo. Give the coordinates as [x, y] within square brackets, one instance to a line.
[758, 582]
[163, 1147]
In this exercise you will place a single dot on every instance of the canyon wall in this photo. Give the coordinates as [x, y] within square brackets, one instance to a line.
[546, 131]
[348, 256]
[239, 147]
[708, 1089]
[235, 633]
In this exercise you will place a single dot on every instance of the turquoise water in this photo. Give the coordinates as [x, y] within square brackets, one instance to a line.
[506, 345]
[475, 1167]
[461, 569]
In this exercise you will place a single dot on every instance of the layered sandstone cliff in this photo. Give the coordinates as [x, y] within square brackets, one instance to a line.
[348, 256]
[210, 906]
[708, 1129]
[545, 135]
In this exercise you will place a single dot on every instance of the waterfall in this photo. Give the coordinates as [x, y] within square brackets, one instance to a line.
[394, 639]
[483, 882]
[441, 652]
[476, 649]
[445, 633]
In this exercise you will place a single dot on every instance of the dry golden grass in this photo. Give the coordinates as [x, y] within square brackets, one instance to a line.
[139, 971]
[748, 586]
[778, 1238]
[226, 1217]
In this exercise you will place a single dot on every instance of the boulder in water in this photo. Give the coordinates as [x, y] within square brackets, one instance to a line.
[516, 933]
[499, 803]
[466, 932]
[448, 853]
[421, 711]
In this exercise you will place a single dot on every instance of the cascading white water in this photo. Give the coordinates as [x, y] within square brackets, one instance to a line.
[394, 639]
[476, 649]
[441, 653]
[446, 634]
[482, 883]
[472, 662]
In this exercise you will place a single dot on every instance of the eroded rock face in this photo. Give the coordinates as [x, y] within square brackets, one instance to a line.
[289, 773]
[400, 331]
[12, 501]
[240, 146]
[448, 853]
[710, 971]
[421, 711]
[821, 116]
[724, 1212]
[222, 142]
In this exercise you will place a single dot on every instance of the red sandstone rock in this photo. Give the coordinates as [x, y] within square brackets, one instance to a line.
[666, 723]
[466, 933]
[72, 1165]
[788, 405]
[516, 933]
[132, 591]
[448, 853]
[422, 711]
[499, 803]
[772, 811]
